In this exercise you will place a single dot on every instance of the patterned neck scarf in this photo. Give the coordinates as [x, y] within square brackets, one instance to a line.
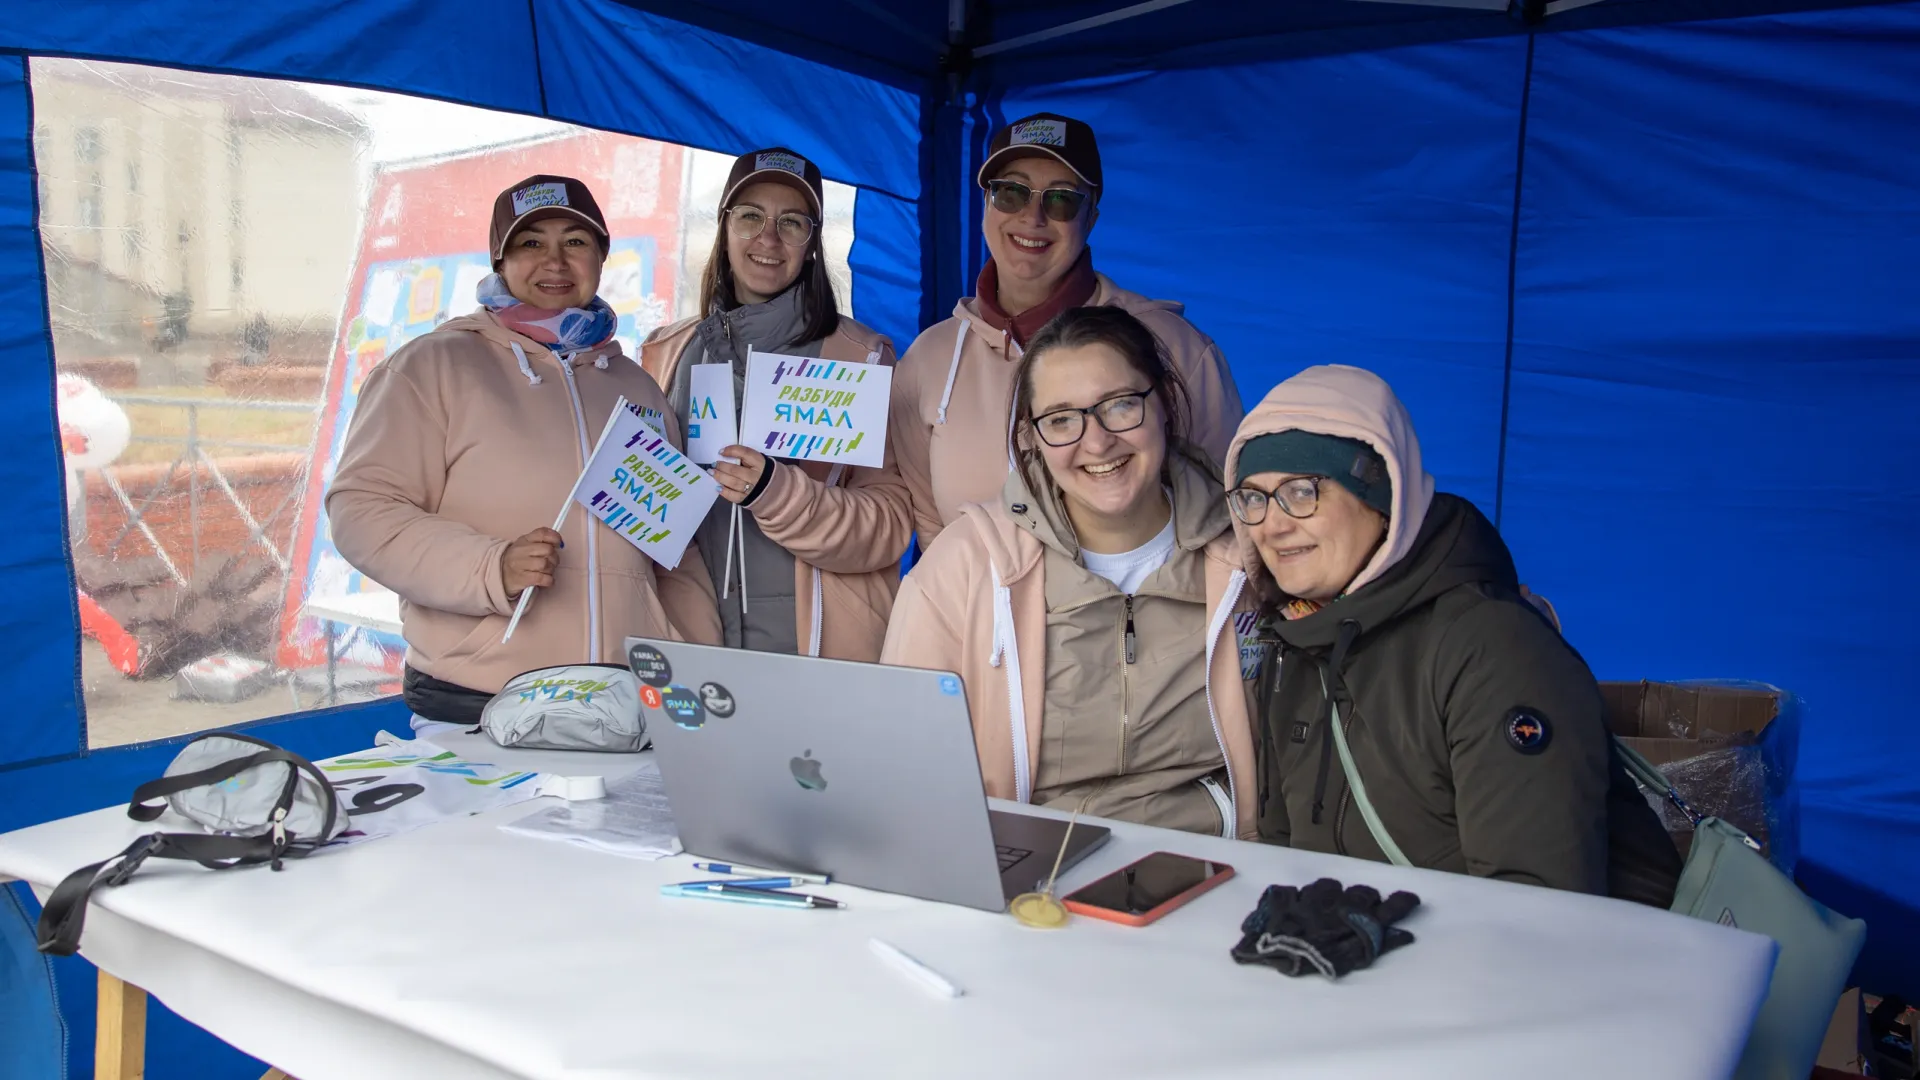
[561, 329]
[1298, 609]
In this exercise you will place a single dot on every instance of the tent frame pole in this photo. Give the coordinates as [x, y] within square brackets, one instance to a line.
[1088, 23]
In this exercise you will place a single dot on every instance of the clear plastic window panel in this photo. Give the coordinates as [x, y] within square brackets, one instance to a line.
[226, 259]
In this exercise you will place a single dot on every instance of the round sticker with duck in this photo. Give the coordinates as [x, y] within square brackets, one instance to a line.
[717, 699]
[1527, 730]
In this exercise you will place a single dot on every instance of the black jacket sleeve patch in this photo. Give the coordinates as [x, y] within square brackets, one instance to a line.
[1526, 729]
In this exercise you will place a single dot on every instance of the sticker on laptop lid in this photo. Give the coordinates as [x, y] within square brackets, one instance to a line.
[535, 196]
[774, 159]
[950, 685]
[717, 699]
[685, 708]
[650, 666]
[1039, 133]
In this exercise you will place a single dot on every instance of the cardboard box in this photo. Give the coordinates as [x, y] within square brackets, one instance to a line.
[1841, 1050]
[1669, 723]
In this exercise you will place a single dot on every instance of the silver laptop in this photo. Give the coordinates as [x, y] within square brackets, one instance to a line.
[861, 771]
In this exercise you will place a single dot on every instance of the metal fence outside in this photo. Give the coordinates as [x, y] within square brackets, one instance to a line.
[194, 457]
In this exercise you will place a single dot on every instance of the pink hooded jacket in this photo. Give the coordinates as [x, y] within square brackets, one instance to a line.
[468, 438]
[976, 605]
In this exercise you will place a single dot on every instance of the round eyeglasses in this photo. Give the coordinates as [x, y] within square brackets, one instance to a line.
[747, 222]
[1298, 498]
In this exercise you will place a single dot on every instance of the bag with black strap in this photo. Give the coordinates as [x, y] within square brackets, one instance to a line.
[1727, 881]
[259, 803]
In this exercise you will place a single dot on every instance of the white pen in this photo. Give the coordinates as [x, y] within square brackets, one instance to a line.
[914, 969]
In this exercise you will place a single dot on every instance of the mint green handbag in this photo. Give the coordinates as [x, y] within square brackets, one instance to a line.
[1728, 881]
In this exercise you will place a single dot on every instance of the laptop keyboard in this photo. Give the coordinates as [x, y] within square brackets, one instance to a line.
[1010, 856]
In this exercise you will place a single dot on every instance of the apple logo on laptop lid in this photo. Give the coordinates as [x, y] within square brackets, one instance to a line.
[807, 771]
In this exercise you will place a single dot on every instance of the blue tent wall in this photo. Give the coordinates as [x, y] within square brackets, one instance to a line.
[1352, 209]
[1716, 366]
[693, 86]
[40, 624]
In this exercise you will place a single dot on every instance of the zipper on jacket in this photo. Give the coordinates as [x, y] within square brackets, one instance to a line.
[593, 549]
[1126, 687]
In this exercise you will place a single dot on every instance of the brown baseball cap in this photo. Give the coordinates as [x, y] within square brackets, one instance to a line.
[537, 198]
[1062, 138]
[775, 164]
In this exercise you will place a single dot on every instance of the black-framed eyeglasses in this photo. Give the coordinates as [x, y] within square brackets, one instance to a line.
[1298, 498]
[747, 222]
[1121, 412]
[1060, 203]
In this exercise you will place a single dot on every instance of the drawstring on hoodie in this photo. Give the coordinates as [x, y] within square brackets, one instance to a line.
[1349, 629]
[526, 366]
[953, 369]
[1006, 654]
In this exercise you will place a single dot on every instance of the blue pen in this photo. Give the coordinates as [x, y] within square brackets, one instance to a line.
[756, 883]
[764, 897]
[726, 868]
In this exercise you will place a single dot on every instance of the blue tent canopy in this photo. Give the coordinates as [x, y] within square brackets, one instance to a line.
[1644, 271]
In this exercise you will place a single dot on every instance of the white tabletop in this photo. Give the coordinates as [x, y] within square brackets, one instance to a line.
[376, 610]
[462, 951]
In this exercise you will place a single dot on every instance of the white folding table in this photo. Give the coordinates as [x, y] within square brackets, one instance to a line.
[462, 951]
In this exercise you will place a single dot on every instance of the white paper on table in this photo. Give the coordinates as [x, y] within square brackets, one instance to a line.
[643, 488]
[816, 410]
[713, 420]
[402, 784]
[634, 819]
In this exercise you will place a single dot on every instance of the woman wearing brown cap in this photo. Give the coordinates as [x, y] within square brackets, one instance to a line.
[465, 442]
[814, 565]
[949, 430]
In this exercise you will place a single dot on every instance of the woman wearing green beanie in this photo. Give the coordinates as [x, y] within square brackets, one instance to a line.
[1414, 707]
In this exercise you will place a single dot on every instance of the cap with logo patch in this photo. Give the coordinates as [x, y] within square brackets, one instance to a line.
[779, 165]
[537, 198]
[1066, 140]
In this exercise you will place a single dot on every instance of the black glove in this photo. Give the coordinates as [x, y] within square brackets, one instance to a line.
[1322, 929]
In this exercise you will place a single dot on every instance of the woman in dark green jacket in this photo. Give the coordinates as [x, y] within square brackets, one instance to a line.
[1476, 731]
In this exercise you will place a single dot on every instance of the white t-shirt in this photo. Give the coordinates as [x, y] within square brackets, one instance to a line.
[1130, 569]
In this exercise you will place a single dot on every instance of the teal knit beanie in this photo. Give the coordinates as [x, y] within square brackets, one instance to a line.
[1348, 462]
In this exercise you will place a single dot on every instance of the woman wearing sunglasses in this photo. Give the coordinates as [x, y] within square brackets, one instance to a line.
[1093, 608]
[817, 546]
[949, 425]
[1393, 620]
